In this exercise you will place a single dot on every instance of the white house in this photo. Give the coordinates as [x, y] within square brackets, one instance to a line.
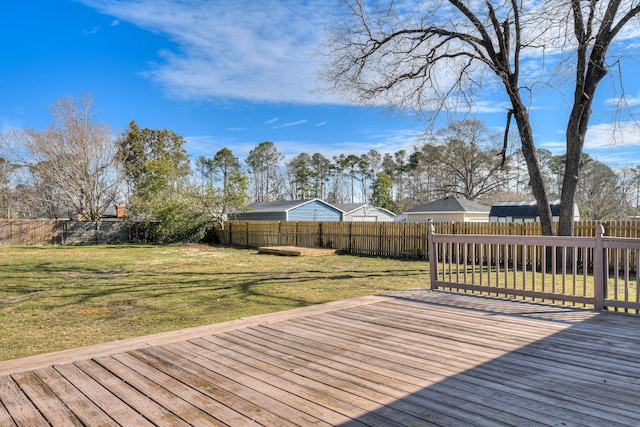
[364, 212]
[450, 208]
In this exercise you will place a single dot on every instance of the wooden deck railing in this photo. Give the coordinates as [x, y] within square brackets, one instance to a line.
[594, 272]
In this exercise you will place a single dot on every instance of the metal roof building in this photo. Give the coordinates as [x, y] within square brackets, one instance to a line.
[525, 211]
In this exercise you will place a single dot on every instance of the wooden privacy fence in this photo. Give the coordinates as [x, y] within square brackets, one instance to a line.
[42, 232]
[593, 271]
[31, 232]
[390, 239]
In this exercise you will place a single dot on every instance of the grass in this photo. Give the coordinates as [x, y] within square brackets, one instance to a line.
[56, 298]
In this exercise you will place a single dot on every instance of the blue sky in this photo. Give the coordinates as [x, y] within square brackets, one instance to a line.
[233, 74]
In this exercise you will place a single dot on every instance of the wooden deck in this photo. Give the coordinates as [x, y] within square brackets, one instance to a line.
[407, 358]
[295, 251]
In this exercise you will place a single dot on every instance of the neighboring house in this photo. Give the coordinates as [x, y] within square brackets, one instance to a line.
[451, 208]
[525, 212]
[294, 210]
[115, 211]
[364, 212]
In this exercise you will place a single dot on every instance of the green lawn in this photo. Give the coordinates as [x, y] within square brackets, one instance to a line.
[55, 298]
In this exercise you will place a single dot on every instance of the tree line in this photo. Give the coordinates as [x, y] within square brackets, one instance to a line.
[76, 167]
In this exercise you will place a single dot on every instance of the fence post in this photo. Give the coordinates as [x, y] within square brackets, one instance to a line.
[433, 257]
[279, 233]
[600, 270]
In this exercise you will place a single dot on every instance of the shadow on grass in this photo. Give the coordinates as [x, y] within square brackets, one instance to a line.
[85, 286]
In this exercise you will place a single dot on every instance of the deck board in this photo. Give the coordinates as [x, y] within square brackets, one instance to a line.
[295, 251]
[407, 358]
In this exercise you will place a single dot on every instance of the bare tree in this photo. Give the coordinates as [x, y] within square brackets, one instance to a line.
[264, 165]
[599, 195]
[72, 162]
[437, 55]
[470, 155]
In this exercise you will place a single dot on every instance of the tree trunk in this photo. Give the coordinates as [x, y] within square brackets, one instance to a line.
[576, 131]
[530, 155]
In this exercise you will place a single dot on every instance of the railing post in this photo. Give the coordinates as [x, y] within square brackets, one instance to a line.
[599, 269]
[433, 257]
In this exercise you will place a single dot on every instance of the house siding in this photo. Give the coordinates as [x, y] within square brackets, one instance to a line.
[314, 211]
[437, 216]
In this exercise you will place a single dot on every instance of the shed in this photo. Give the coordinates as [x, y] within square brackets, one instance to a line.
[450, 208]
[364, 212]
[290, 210]
[525, 211]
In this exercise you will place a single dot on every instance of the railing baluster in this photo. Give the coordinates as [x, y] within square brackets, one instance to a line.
[574, 271]
[626, 277]
[473, 263]
[553, 269]
[564, 270]
[465, 255]
[616, 273]
[524, 266]
[481, 261]
[457, 258]
[534, 267]
[544, 268]
[498, 259]
[584, 272]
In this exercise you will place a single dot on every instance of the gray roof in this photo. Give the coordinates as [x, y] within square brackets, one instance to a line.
[348, 207]
[280, 205]
[450, 204]
[526, 209]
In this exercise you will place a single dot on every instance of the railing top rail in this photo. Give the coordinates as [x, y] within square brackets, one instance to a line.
[586, 242]
[621, 243]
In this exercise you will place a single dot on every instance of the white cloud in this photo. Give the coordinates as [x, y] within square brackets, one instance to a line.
[286, 125]
[614, 144]
[611, 135]
[243, 49]
[627, 101]
[92, 31]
